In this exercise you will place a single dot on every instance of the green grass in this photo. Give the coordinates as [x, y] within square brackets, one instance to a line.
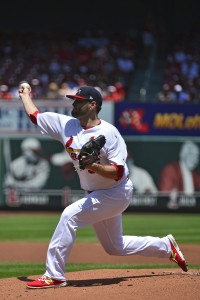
[39, 228]
[8, 270]
[30, 227]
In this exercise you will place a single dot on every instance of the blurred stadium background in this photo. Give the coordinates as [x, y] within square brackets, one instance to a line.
[145, 59]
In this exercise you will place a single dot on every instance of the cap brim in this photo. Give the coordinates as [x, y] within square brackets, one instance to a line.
[76, 97]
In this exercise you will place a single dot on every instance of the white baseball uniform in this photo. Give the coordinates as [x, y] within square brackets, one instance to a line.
[105, 199]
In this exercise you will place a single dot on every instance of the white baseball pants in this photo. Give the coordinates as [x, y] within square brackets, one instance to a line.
[102, 209]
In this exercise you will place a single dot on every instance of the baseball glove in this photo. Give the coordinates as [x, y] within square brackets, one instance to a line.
[90, 151]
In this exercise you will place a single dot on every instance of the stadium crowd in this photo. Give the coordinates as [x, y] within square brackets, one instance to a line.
[55, 67]
[182, 69]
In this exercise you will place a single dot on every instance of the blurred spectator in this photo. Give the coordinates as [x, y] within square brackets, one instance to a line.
[53, 91]
[181, 175]
[28, 171]
[115, 93]
[5, 93]
[165, 95]
[142, 180]
[179, 95]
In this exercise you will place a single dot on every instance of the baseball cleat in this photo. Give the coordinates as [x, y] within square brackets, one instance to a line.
[45, 282]
[176, 254]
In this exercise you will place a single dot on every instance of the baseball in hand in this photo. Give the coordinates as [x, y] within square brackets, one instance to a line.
[24, 84]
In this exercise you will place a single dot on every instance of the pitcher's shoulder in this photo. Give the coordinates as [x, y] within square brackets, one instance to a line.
[108, 125]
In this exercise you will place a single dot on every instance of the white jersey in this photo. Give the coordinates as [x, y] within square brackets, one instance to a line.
[73, 136]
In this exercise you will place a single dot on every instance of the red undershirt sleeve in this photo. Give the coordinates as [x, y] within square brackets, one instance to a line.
[33, 117]
[120, 171]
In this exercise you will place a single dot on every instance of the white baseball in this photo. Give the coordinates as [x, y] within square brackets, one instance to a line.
[25, 84]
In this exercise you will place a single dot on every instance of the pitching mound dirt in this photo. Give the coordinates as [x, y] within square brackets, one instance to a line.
[106, 284]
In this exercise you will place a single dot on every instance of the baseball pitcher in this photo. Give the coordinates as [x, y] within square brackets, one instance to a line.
[99, 155]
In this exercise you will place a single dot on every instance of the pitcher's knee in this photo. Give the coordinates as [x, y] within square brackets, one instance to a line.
[113, 250]
[69, 220]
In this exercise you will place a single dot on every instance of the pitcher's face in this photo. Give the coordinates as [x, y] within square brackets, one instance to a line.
[80, 108]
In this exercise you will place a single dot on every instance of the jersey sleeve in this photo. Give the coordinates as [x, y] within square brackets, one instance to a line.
[117, 150]
[52, 124]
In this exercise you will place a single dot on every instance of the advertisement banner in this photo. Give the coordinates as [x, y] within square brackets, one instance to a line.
[57, 200]
[164, 202]
[13, 118]
[157, 119]
[36, 172]
[166, 166]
